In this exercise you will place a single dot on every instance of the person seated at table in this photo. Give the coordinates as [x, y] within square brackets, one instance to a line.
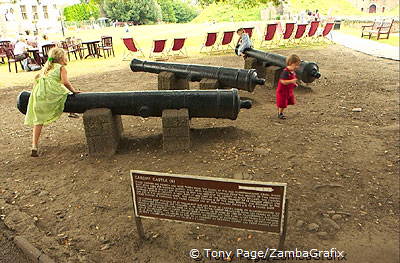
[30, 38]
[21, 52]
[44, 41]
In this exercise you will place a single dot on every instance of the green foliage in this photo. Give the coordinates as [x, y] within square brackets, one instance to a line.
[337, 7]
[140, 11]
[225, 12]
[176, 11]
[183, 12]
[168, 12]
[394, 12]
[80, 12]
[239, 3]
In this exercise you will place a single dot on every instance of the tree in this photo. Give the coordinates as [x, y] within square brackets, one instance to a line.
[168, 12]
[183, 12]
[240, 3]
[80, 12]
[140, 11]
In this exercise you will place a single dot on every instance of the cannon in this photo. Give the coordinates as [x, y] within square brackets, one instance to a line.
[227, 77]
[224, 104]
[307, 72]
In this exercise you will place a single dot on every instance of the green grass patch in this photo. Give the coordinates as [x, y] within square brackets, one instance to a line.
[225, 12]
[394, 12]
[338, 7]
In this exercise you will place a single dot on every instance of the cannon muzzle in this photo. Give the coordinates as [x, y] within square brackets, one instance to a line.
[225, 104]
[242, 79]
[307, 72]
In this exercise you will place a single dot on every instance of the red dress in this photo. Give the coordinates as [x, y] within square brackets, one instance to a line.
[284, 93]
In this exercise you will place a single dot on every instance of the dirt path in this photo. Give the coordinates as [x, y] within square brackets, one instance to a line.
[8, 251]
[83, 205]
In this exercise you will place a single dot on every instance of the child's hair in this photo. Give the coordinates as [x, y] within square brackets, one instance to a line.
[55, 55]
[239, 30]
[292, 59]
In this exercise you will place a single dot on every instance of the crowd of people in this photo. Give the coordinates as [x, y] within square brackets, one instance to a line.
[23, 44]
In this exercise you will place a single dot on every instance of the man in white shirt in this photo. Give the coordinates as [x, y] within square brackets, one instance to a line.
[21, 53]
[21, 47]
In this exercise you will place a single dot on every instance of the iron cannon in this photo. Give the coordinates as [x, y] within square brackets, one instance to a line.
[224, 104]
[242, 79]
[308, 71]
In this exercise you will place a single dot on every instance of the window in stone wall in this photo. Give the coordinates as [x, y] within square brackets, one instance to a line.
[45, 12]
[23, 12]
[35, 12]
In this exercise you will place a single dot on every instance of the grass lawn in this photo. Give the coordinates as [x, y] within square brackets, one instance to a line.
[337, 7]
[143, 35]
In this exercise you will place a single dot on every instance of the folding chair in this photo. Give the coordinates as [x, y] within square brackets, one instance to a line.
[178, 48]
[158, 49]
[313, 29]
[226, 41]
[289, 28]
[269, 34]
[301, 29]
[249, 31]
[327, 30]
[131, 46]
[209, 42]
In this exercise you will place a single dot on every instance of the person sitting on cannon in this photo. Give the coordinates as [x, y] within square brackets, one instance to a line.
[244, 42]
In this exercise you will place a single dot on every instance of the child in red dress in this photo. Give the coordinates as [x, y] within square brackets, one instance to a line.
[286, 84]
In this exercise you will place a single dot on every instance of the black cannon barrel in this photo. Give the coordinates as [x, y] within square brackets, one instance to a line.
[242, 79]
[224, 104]
[308, 71]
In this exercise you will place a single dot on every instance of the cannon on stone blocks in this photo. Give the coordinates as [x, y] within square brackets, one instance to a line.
[177, 75]
[269, 65]
[102, 110]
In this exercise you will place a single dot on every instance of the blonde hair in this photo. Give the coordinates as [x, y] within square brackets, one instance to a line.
[292, 59]
[55, 55]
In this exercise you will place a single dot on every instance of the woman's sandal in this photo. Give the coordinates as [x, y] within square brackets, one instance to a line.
[73, 115]
[34, 152]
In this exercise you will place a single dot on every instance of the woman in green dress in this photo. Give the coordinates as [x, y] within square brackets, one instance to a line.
[49, 94]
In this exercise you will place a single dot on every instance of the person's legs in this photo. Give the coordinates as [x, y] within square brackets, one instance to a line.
[280, 113]
[37, 129]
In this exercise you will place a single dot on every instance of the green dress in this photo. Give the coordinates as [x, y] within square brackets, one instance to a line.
[47, 99]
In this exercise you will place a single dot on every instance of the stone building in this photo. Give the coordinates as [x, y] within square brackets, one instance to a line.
[375, 6]
[36, 16]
